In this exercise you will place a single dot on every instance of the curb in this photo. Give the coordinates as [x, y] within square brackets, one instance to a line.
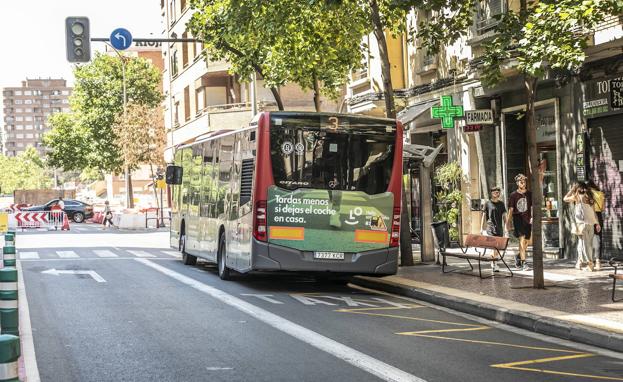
[533, 322]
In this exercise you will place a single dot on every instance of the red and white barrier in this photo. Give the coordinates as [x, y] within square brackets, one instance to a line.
[40, 219]
[16, 207]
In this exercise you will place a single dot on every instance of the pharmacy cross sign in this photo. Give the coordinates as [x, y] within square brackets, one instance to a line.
[447, 112]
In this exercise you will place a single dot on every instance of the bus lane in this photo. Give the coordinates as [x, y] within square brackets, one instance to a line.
[415, 337]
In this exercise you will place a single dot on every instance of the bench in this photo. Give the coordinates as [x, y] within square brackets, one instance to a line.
[485, 248]
[615, 262]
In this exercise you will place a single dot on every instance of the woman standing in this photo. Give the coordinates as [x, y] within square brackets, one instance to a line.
[585, 223]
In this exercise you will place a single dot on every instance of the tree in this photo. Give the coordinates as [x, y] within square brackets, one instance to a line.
[25, 171]
[540, 37]
[85, 139]
[140, 135]
[307, 43]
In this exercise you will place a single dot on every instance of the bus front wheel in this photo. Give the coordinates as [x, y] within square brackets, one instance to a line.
[186, 258]
[223, 271]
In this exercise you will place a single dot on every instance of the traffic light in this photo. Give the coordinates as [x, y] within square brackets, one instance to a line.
[78, 39]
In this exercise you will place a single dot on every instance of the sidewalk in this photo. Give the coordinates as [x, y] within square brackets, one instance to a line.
[575, 305]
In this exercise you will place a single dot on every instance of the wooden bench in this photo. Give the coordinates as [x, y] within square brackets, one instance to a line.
[615, 262]
[486, 248]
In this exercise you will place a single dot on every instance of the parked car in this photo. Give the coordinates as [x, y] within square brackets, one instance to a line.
[75, 209]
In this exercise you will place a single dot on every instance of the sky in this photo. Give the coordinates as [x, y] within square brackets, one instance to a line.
[32, 32]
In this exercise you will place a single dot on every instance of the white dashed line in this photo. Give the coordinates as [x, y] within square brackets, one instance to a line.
[104, 253]
[28, 255]
[67, 254]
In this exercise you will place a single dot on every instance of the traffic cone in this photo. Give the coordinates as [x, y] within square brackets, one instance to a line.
[65, 223]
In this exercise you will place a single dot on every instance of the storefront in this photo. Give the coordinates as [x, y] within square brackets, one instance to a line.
[515, 161]
[605, 158]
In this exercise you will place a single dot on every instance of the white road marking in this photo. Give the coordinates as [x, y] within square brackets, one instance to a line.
[57, 272]
[25, 330]
[349, 301]
[104, 253]
[265, 297]
[67, 254]
[219, 368]
[354, 357]
[172, 253]
[28, 255]
[309, 300]
[141, 253]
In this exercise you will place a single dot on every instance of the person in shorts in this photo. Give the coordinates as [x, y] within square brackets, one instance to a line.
[520, 208]
[494, 218]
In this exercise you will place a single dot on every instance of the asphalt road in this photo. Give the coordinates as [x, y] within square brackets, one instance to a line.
[110, 306]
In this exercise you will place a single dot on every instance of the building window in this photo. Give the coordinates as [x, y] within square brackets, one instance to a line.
[176, 114]
[185, 45]
[486, 12]
[174, 68]
[200, 99]
[186, 103]
[18, 92]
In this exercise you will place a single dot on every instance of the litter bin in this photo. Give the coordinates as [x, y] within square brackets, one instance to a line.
[441, 231]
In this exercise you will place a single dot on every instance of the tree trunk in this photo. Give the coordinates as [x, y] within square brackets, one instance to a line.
[277, 98]
[406, 253]
[316, 93]
[379, 33]
[535, 185]
[130, 191]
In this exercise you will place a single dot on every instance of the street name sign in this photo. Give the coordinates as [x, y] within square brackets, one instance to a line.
[121, 39]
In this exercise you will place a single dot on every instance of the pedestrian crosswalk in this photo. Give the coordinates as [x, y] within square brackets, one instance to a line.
[95, 254]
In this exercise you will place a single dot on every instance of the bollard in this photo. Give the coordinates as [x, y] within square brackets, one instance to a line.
[9, 238]
[8, 255]
[9, 354]
[9, 318]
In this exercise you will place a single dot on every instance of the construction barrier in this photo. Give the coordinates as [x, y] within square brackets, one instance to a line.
[8, 255]
[9, 354]
[41, 219]
[9, 317]
[9, 238]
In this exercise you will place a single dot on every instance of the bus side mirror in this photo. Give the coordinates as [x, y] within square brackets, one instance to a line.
[174, 174]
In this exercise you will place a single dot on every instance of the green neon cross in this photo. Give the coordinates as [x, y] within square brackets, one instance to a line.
[446, 112]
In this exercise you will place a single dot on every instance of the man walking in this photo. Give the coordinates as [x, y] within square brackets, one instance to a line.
[494, 217]
[520, 208]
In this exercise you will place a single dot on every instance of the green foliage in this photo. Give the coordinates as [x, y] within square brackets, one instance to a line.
[288, 41]
[86, 139]
[449, 197]
[26, 171]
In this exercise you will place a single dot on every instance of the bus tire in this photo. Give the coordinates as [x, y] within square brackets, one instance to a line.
[187, 259]
[223, 271]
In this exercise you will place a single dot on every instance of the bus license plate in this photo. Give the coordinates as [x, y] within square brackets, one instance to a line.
[329, 255]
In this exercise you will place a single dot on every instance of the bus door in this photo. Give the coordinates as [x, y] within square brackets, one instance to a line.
[233, 225]
[245, 216]
[211, 233]
[192, 220]
[223, 205]
[206, 244]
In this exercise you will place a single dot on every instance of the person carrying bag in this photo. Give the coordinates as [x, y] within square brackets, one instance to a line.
[584, 224]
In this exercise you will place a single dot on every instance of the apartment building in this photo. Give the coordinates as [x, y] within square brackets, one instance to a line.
[26, 111]
[578, 128]
[202, 95]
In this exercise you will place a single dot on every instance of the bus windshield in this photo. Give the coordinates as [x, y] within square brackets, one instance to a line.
[321, 152]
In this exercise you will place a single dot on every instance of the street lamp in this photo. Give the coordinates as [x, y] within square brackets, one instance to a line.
[128, 199]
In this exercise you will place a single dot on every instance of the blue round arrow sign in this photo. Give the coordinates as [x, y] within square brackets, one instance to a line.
[121, 39]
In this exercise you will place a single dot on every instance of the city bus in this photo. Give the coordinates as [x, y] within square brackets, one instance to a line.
[293, 191]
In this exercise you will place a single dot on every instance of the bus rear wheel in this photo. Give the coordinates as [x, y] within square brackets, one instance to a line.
[223, 271]
[186, 258]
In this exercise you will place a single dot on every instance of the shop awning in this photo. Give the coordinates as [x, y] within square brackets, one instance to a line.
[413, 111]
